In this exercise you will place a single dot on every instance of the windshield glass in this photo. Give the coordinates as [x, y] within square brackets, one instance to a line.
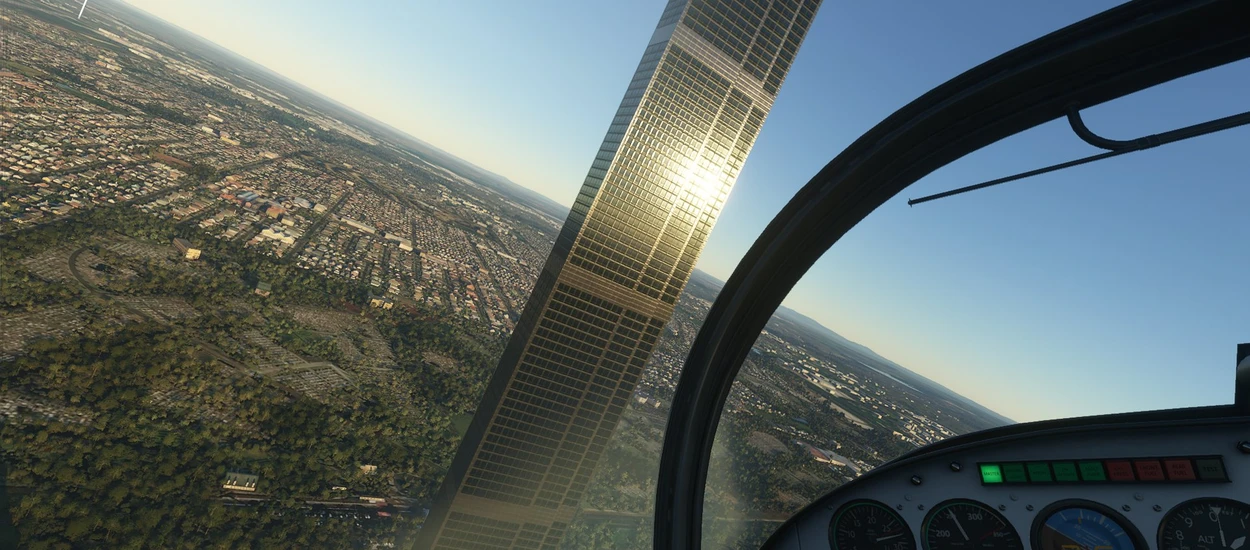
[1101, 290]
[328, 275]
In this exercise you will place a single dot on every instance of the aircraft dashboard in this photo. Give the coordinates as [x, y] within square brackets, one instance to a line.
[1152, 485]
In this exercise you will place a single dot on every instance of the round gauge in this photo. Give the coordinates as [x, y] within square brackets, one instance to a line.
[968, 525]
[869, 525]
[1205, 524]
[1084, 525]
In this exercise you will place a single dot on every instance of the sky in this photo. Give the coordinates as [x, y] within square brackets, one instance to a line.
[1112, 287]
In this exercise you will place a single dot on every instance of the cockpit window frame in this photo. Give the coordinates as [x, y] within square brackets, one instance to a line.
[1110, 55]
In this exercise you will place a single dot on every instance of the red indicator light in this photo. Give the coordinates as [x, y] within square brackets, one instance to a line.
[1119, 470]
[1148, 470]
[1179, 469]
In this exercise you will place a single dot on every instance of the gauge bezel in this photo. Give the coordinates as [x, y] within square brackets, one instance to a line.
[833, 521]
[1164, 520]
[924, 525]
[1134, 534]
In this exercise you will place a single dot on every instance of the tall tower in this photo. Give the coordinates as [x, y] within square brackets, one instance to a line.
[707, 79]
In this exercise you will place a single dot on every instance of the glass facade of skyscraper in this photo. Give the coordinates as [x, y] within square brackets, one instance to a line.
[706, 81]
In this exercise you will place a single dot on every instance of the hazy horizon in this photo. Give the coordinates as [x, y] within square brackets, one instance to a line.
[513, 100]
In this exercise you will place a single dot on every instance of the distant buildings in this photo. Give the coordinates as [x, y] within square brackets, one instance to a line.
[263, 288]
[184, 247]
[278, 233]
[236, 481]
[381, 302]
[358, 225]
[649, 401]
[404, 244]
[821, 455]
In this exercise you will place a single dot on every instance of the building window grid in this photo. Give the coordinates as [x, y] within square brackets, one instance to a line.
[730, 117]
[597, 394]
[557, 411]
[549, 368]
[516, 487]
[672, 12]
[511, 428]
[598, 319]
[549, 387]
[628, 269]
[548, 383]
[510, 434]
[522, 420]
[509, 472]
[564, 382]
[561, 333]
[576, 357]
[473, 531]
[662, 152]
[524, 414]
[541, 363]
[616, 396]
[607, 390]
[529, 452]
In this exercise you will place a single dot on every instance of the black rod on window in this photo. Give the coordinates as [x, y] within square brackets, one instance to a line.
[1115, 148]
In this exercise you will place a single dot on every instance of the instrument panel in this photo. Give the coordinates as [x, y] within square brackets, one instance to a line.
[1098, 485]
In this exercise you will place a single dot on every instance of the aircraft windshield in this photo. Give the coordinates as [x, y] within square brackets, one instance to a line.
[1099, 290]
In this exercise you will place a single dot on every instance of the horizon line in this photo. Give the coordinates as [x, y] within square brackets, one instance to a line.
[408, 134]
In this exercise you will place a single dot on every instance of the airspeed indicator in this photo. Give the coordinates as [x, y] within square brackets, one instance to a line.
[968, 525]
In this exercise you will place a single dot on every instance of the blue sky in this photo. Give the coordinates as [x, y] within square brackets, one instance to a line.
[1111, 287]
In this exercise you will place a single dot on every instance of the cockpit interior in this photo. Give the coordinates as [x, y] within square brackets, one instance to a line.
[1161, 480]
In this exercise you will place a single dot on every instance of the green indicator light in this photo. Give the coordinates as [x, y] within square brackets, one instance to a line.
[991, 474]
[1065, 471]
[1039, 471]
[1092, 471]
[1014, 473]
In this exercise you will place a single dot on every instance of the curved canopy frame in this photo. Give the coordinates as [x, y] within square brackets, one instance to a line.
[1123, 50]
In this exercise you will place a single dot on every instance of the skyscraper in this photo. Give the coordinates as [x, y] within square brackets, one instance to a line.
[707, 79]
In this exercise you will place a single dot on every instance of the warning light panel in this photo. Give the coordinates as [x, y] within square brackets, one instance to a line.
[1039, 472]
[1208, 469]
[1065, 471]
[1120, 470]
[1013, 472]
[1179, 469]
[1148, 470]
[991, 473]
[1091, 470]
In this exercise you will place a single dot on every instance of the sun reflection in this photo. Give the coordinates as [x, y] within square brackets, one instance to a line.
[703, 184]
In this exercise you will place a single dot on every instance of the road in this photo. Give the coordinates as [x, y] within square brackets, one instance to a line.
[293, 253]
